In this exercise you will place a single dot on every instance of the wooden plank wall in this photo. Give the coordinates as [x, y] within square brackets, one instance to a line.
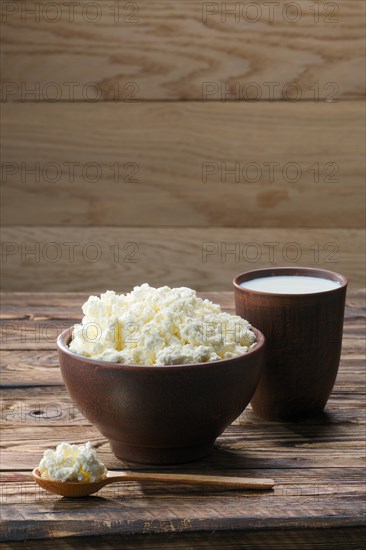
[180, 141]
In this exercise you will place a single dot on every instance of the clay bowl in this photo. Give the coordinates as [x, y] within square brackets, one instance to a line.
[161, 415]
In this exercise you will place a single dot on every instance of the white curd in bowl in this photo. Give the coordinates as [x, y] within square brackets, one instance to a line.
[159, 326]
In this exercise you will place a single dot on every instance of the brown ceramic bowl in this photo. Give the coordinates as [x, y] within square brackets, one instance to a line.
[161, 415]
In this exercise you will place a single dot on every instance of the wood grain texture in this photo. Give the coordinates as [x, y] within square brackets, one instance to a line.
[56, 305]
[99, 258]
[317, 464]
[338, 538]
[110, 516]
[335, 440]
[168, 49]
[296, 165]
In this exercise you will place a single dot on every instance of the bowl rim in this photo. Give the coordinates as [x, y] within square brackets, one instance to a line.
[64, 338]
[301, 271]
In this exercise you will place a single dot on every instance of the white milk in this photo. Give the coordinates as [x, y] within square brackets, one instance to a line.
[290, 284]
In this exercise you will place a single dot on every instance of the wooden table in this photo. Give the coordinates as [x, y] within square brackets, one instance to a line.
[317, 465]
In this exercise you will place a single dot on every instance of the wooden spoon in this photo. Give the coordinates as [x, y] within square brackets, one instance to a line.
[83, 488]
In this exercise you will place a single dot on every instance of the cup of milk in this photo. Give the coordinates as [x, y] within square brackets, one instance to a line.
[300, 312]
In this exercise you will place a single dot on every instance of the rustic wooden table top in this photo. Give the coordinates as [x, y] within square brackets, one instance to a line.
[318, 465]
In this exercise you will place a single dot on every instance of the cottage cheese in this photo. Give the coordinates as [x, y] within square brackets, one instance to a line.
[159, 326]
[72, 463]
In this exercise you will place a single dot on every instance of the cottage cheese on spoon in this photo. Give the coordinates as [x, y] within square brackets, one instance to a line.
[159, 326]
[72, 463]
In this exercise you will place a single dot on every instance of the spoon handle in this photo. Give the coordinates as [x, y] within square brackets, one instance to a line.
[196, 479]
